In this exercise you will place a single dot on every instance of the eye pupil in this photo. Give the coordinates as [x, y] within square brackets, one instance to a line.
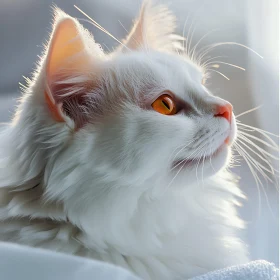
[166, 104]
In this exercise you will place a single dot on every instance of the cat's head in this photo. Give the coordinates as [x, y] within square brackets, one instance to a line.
[137, 118]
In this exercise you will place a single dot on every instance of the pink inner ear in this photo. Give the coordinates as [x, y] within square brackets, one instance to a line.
[67, 57]
[66, 43]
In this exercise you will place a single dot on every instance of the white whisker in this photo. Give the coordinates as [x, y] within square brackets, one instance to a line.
[204, 156]
[188, 42]
[211, 159]
[185, 146]
[219, 73]
[185, 42]
[209, 60]
[258, 155]
[196, 171]
[100, 27]
[274, 146]
[233, 65]
[257, 129]
[261, 150]
[197, 151]
[210, 47]
[192, 51]
[255, 163]
[257, 180]
[249, 111]
[192, 154]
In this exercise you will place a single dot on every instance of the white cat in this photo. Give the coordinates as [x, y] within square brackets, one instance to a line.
[121, 157]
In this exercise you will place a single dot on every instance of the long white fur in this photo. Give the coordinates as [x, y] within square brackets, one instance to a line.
[107, 191]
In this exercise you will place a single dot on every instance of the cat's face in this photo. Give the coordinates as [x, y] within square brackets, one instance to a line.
[138, 138]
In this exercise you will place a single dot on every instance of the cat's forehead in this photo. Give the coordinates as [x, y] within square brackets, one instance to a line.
[167, 71]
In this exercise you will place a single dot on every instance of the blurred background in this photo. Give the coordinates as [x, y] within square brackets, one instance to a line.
[25, 24]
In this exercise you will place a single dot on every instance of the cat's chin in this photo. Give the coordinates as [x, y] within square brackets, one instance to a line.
[204, 166]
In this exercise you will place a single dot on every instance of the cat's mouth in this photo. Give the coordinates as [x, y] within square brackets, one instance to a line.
[195, 162]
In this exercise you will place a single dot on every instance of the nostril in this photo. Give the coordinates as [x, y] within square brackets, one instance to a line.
[224, 111]
[223, 115]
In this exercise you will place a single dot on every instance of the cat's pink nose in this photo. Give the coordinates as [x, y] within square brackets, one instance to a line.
[224, 111]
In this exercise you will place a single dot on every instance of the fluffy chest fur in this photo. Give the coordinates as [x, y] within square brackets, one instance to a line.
[178, 236]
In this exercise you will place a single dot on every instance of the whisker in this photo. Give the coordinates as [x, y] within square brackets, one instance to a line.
[209, 60]
[192, 154]
[203, 168]
[196, 169]
[181, 149]
[242, 130]
[199, 150]
[219, 73]
[192, 51]
[242, 135]
[211, 159]
[256, 164]
[274, 146]
[259, 166]
[244, 155]
[242, 127]
[257, 179]
[123, 27]
[233, 65]
[185, 41]
[257, 129]
[227, 43]
[100, 27]
[249, 111]
[262, 158]
[190, 42]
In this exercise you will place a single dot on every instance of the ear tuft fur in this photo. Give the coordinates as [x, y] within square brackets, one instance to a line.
[154, 29]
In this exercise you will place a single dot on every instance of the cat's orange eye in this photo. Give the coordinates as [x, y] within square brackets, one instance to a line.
[165, 105]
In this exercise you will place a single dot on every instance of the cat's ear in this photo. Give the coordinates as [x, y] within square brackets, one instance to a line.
[154, 29]
[71, 58]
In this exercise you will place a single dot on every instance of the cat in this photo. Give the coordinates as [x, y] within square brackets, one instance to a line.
[122, 157]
